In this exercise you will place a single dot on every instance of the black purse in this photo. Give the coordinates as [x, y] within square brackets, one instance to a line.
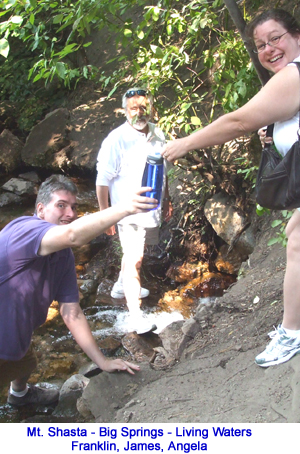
[278, 179]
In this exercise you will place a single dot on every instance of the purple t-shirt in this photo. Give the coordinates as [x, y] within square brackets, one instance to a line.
[29, 283]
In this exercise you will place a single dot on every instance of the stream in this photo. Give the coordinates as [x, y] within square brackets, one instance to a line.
[59, 356]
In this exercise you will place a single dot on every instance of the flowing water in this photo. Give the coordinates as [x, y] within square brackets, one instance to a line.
[59, 357]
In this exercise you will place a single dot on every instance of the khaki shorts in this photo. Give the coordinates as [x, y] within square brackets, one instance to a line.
[11, 370]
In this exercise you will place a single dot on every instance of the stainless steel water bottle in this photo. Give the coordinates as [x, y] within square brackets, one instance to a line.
[153, 176]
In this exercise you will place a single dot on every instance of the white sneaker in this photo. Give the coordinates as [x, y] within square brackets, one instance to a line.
[118, 292]
[141, 325]
[280, 349]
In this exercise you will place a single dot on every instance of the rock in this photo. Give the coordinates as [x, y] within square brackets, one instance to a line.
[109, 345]
[30, 176]
[173, 339]
[90, 370]
[187, 271]
[191, 327]
[9, 199]
[8, 114]
[104, 288]
[106, 392]
[88, 286]
[20, 187]
[228, 223]
[10, 151]
[88, 128]
[83, 409]
[210, 284]
[47, 139]
[228, 260]
[141, 346]
[70, 392]
[85, 253]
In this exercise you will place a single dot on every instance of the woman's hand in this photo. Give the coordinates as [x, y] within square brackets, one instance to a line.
[174, 149]
[113, 365]
[262, 136]
[111, 231]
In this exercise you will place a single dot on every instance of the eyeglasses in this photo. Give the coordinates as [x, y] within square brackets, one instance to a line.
[273, 43]
[131, 93]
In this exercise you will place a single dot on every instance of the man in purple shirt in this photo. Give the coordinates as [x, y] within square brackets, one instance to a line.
[36, 267]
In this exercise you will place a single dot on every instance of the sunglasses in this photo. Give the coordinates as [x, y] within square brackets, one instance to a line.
[131, 93]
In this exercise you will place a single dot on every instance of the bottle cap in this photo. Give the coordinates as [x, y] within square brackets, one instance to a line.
[155, 159]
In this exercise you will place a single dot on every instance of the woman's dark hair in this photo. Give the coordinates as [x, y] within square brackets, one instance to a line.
[279, 15]
[53, 184]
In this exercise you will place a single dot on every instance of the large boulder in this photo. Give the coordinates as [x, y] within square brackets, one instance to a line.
[70, 140]
[89, 125]
[106, 393]
[230, 224]
[46, 144]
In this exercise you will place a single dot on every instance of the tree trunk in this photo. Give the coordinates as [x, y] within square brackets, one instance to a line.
[239, 22]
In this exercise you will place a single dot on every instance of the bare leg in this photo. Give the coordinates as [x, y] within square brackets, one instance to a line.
[19, 384]
[291, 288]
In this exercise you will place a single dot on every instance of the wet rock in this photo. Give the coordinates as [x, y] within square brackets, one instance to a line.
[48, 419]
[58, 367]
[186, 271]
[141, 346]
[172, 300]
[109, 345]
[87, 291]
[70, 392]
[155, 262]
[228, 260]
[210, 284]
[10, 151]
[88, 286]
[104, 288]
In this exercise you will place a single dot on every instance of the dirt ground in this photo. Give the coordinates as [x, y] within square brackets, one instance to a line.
[216, 379]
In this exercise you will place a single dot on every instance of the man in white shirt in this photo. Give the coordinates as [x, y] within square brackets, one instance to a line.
[120, 167]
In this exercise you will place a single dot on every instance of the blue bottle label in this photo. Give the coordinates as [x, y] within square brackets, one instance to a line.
[153, 177]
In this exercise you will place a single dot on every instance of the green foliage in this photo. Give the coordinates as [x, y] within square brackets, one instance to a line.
[188, 54]
[172, 46]
[247, 169]
[280, 225]
[260, 211]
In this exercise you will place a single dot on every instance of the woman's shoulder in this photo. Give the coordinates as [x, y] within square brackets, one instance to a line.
[295, 62]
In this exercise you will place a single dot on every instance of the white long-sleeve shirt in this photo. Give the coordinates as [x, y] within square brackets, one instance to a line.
[120, 166]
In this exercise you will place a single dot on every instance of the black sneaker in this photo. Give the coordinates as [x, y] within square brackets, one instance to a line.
[35, 395]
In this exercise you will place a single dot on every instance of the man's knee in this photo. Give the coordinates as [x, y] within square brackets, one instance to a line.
[14, 370]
